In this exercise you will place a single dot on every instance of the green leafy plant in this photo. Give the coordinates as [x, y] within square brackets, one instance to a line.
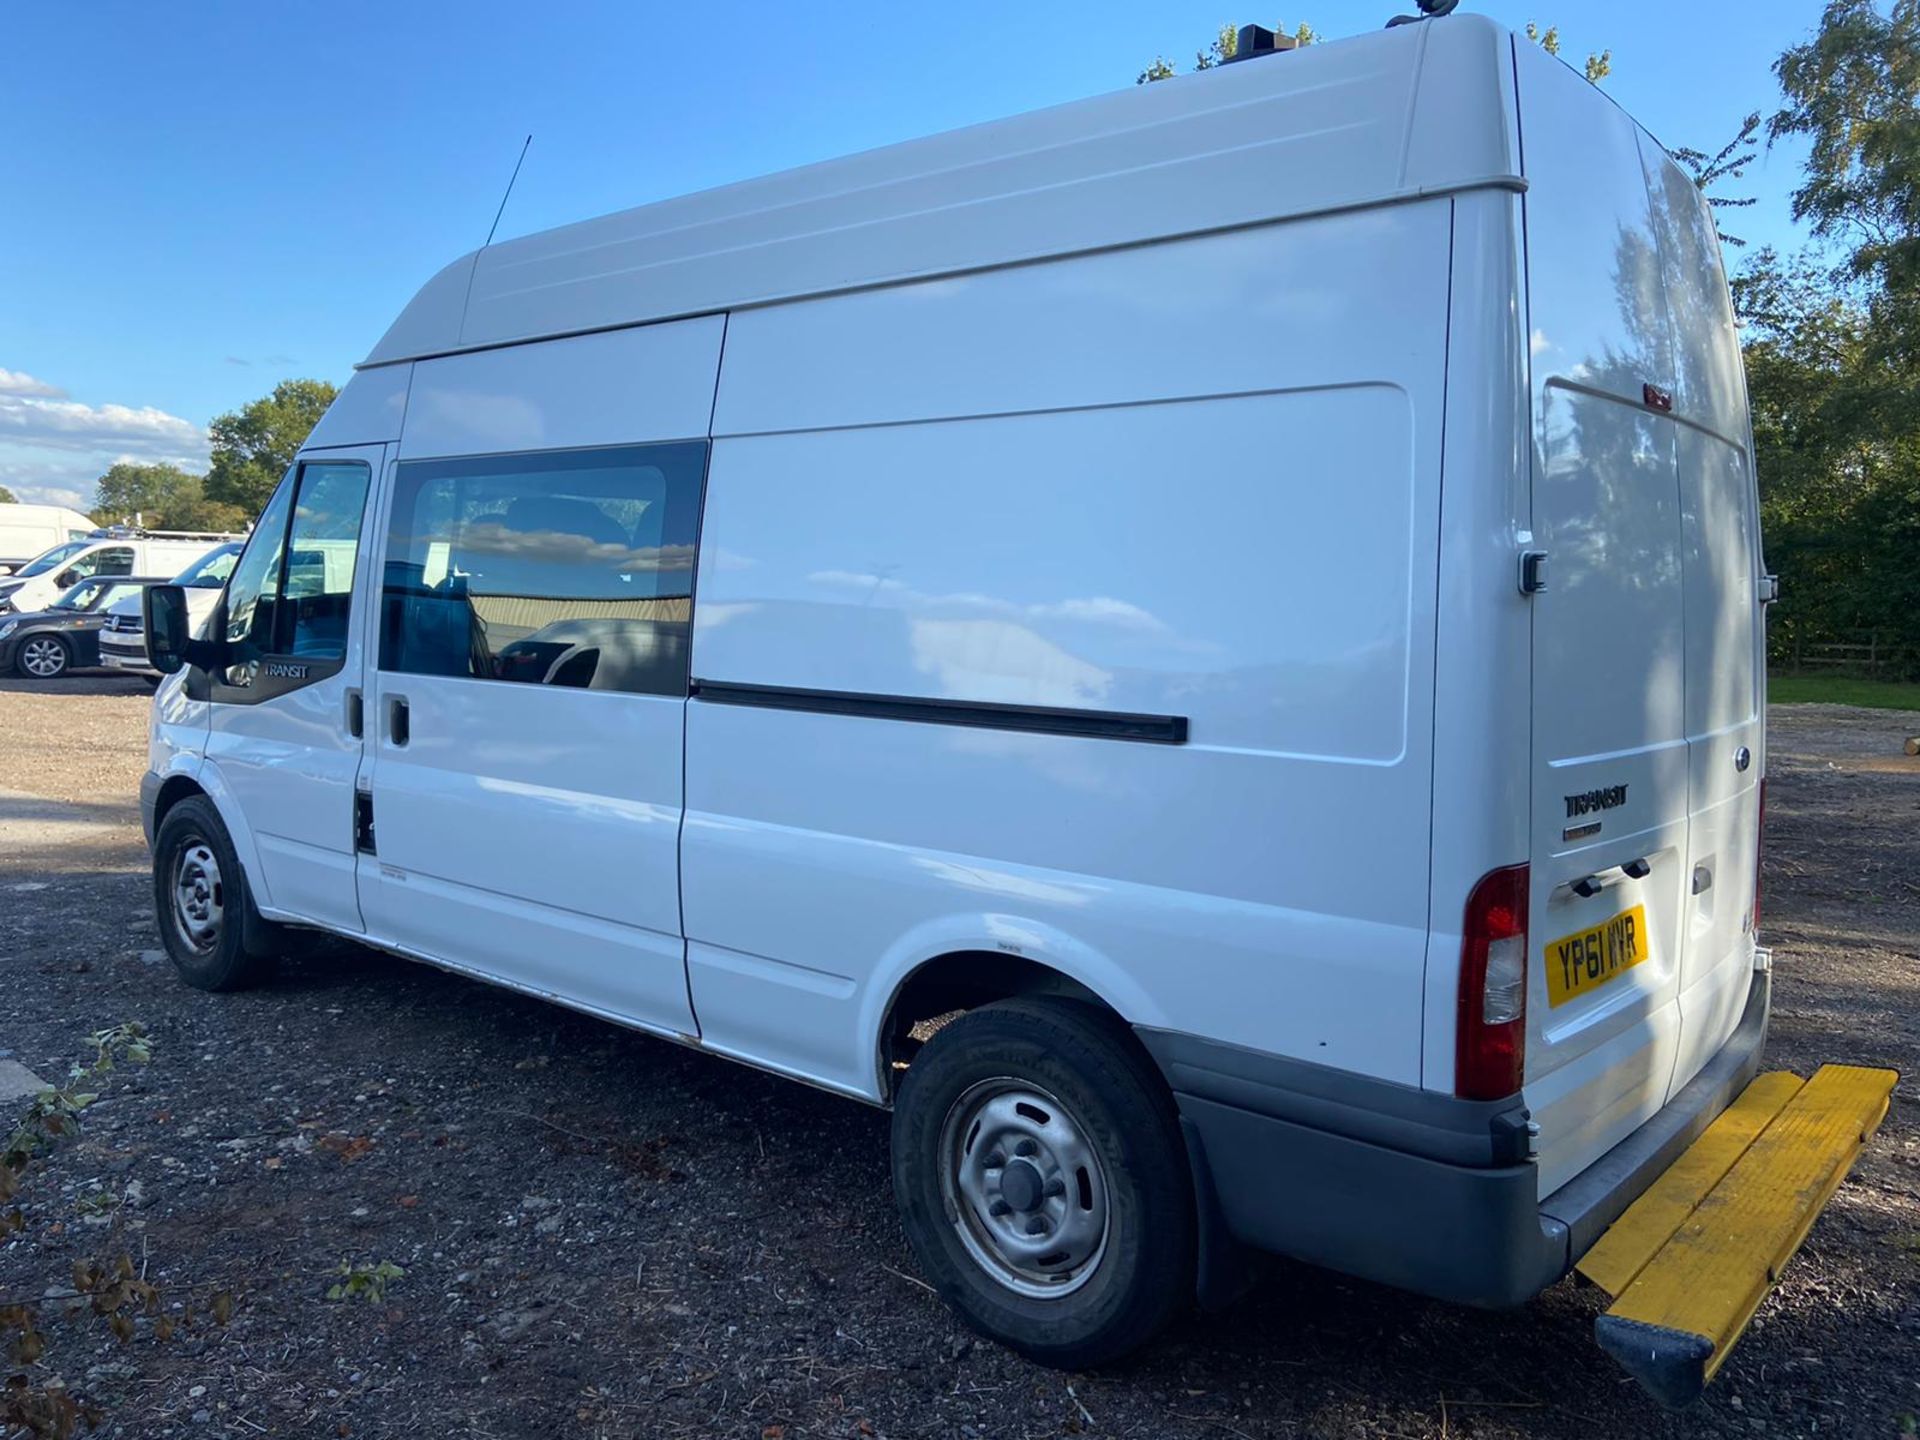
[364, 1282]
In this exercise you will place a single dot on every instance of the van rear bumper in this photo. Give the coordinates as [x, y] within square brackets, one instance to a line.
[1403, 1186]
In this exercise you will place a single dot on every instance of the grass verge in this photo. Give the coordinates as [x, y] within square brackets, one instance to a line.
[1842, 690]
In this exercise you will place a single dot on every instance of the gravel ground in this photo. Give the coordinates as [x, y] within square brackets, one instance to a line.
[605, 1235]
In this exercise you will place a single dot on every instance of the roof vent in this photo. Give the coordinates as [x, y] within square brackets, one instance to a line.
[1429, 10]
[1254, 41]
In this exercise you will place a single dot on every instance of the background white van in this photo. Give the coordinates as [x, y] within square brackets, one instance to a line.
[1204, 646]
[115, 550]
[28, 530]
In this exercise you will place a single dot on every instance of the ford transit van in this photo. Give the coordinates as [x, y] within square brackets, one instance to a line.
[1203, 646]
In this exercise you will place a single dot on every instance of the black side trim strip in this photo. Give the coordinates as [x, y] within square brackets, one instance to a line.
[1039, 719]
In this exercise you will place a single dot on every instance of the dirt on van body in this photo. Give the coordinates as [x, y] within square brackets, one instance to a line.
[607, 1235]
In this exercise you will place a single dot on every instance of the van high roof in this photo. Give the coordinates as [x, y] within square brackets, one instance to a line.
[1412, 111]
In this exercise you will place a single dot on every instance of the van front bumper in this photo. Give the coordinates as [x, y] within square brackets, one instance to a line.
[1404, 1186]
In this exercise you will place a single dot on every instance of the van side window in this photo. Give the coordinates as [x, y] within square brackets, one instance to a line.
[113, 560]
[570, 568]
[292, 590]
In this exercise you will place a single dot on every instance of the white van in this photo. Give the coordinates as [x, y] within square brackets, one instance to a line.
[115, 550]
[26, 530]
[1203, 646]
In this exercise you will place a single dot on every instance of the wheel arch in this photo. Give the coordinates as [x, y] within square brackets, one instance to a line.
[204, 779]
[967, 977]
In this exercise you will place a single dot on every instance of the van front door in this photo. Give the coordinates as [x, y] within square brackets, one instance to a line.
[282, 719]
[527, 715]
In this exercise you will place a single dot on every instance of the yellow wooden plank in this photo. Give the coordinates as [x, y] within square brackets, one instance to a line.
[1634, 1239]
[1711, 1276]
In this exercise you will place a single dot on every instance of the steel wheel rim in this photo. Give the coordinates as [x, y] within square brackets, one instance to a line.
[43, 658]
[199, 902]
[1038, 1220]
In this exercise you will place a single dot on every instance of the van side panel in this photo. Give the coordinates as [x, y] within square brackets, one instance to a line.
[1162, 481]
[369, 409]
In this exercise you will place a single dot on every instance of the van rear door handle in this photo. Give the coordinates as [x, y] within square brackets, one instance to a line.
[1588, 886]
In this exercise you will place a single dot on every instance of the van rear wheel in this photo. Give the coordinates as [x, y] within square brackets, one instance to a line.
[1042, 1180]
[208, 924]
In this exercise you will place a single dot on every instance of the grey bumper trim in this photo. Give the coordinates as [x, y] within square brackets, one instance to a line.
[1366, 1178]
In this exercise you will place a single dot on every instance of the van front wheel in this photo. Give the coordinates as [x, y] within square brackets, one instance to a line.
[1042, 1181]
[207, 920]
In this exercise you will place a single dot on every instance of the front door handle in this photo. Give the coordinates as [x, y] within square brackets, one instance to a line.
[399, 721]
[356, 714]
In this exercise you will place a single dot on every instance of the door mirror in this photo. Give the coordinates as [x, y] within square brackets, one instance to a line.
[70, 576]
[169, 630]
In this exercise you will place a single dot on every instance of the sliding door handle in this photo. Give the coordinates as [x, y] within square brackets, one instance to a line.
[399, 721]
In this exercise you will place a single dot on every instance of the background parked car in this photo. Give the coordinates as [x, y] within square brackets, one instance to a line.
[123, 640]
[50, 642]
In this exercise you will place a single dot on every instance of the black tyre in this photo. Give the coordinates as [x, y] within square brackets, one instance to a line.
[208, 925]
[42, 657]
[1042, 1180]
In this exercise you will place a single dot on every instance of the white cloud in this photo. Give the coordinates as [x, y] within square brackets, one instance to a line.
[70, 425]
[18, 382]
[1538, 342]
[53, 448]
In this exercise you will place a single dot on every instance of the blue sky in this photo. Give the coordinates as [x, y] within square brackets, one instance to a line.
[199, 200]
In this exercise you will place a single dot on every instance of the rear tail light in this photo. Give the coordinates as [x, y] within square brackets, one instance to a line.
[1491, 1044]
[1759, 844]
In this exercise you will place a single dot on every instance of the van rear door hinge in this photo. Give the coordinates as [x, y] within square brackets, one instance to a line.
[1769, 589]
[1533, 571]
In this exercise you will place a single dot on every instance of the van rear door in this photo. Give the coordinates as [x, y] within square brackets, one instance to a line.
[1609, 804]
[1725, 630]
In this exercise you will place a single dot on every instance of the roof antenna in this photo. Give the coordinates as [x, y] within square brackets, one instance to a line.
[1429, 10]
[516, 175]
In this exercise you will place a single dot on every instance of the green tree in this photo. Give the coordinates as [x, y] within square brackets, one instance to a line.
[1834, 353]
[1598, 66]
[164, 497]
[253, 447]
[6, 496]
[1839, 477]
[1221, 49]
[1854, 91]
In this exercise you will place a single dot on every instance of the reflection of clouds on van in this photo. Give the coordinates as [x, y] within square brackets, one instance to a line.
[1000, 662]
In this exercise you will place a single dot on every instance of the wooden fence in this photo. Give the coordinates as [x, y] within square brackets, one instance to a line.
[1867, 653]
